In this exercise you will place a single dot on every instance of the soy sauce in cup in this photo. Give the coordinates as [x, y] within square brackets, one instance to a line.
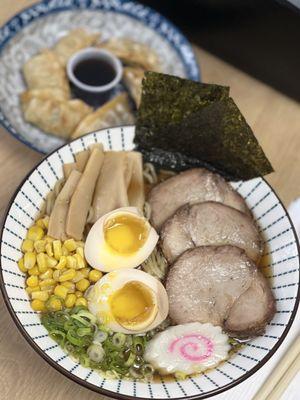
[94, 73]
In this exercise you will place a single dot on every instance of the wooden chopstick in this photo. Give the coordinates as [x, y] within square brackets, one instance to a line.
[282, 367]
[285, 380]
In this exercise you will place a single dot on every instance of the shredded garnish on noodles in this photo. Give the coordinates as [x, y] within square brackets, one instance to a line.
[156, 265]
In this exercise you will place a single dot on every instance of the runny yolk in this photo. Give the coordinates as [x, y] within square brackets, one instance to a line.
[125, 234]
[133, 304]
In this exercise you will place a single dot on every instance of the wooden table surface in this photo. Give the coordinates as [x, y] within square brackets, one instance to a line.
[275, 120]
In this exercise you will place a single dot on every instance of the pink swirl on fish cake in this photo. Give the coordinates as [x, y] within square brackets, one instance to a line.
[186, 346]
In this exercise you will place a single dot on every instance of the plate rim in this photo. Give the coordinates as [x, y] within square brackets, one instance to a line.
[4, 123]
[106, 392]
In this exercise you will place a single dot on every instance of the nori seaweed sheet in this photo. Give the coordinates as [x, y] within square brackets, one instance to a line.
[183, 124]
[178, 162]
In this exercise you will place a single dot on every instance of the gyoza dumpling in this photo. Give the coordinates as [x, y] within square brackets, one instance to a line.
[75, 40]
[57, 117]
[113, 113]
[45, 71]
[132, 78]
[133, 53]
[43, 94]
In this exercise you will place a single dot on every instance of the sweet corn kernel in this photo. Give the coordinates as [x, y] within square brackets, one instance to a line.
[70, 244]
[33, 271]
[38, 305]
[71, 262]
[47, 274]
[27, 245]
[43, 222]
[56, 275]
[80, 262]
[49, 249]
[80, 243]
[70, 286]
[70, 300]
[82, 285]
[61, 291]
[48, 289]
[95, 275]
[40, 246]
[56, 244]
[78, 276]
[68, 275]
[40, 223]
[21, 265]
[47, 282]
[46, 221]
[29, 260]
[62, 263]
[80, 251]
[51, 262]
[30, 290]
[35, 232]
[32, 281]
[81, 302]
[40, 295]
[85, 272]
[41, 262]
[64, 250]
[78, 294]
[54, 304]
[49, 239]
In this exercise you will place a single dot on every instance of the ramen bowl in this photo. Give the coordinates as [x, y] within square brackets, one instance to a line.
[280, 263]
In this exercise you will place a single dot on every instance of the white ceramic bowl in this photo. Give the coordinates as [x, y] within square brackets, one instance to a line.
[42, 24]
[281, 261]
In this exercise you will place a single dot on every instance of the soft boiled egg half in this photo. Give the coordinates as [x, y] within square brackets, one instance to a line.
[122, 238]
[129, 301]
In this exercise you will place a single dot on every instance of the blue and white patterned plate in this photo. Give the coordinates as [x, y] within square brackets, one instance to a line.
[280, 262]
[42, 24]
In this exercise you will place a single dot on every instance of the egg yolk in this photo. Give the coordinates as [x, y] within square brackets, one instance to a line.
[133, 304]
[125, 234]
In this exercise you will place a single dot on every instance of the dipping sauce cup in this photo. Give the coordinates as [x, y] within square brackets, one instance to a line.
[94, 73]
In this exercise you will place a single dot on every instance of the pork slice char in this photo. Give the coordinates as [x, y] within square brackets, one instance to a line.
[189, 187]
[209, 223]
[220, 285]
[248, 316]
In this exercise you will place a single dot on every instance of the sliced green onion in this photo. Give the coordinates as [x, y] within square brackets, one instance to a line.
[104, 328]
[100, 337]
[73, 338]
[58, 335]
[77, 309]
[81, 320]
[89, 316]
[119, 339]
[130, 360]
[147, 370]
[85, 360]
[96, 352]
[84, 331]
[95, 346]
